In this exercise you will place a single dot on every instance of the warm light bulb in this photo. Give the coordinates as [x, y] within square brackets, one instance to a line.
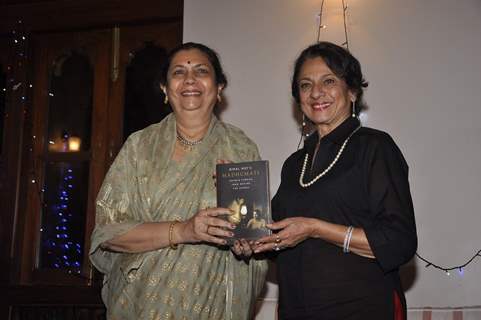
[243, 210]
[74, 143]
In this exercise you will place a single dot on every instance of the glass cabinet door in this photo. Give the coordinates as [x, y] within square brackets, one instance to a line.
[70, 103]
[3, 95]
[65, 183]
[90, 91]
[135, 92]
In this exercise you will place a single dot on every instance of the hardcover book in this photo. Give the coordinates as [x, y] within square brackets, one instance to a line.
[244, 189]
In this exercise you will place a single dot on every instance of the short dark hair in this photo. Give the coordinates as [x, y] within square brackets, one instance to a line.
[211, 55]
[340, 61]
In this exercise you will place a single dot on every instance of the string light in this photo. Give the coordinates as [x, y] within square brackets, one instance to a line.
[321, 26]
[64, 253]
[344, 19]
[459, 268]
[58, 242]
[344, 11]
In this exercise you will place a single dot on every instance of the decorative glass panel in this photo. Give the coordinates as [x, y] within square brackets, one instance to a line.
[144, 101]
[65, 190]
[3, 93]
[70, 107]
[63, 216]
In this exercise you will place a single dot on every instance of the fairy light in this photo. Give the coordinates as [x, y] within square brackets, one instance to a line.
[64, 253]
[324, 26]
[321, 26]
[461, 271]
[58, 242]
[459, 268]
[344, 12]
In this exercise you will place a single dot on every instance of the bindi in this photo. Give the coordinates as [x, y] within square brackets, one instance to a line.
[188, 62]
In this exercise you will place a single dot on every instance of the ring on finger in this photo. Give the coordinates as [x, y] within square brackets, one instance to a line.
[276, 247]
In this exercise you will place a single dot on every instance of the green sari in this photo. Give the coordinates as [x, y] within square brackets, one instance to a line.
[196, 281]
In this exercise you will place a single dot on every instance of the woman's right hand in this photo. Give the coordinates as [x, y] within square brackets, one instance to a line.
[207, 226]
[289, 233]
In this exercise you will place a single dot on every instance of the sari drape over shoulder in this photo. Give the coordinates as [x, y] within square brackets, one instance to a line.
[196, 281]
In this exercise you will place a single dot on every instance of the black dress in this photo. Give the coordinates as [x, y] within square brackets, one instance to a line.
[368, 188]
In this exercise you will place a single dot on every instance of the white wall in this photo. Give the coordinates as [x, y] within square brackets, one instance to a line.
[422, 59]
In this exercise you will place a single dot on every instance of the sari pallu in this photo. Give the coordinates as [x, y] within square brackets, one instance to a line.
[198, 281]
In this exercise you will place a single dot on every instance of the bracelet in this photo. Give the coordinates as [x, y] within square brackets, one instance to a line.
[347, 239]
[172, 245]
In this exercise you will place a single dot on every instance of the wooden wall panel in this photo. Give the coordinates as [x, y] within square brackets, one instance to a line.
[75, 14]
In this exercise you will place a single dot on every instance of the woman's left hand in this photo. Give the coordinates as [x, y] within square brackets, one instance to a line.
[290, 232]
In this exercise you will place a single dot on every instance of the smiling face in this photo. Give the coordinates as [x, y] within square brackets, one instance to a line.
[191, 84]
[324, 98]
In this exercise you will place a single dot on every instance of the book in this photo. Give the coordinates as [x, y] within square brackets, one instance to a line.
[244, 189]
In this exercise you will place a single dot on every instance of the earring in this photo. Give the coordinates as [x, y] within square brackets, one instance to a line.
[219, 99]
[354, 108]
[303, 130]
[304, 126]
[166, 99]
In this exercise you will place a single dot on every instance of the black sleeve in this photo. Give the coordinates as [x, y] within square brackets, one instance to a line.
[276, 202]
[277, 207]
[392, 232]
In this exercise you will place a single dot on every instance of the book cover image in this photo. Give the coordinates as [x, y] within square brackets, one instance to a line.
[244, 189]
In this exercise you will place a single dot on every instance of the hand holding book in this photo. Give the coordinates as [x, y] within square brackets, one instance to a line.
[205, 226]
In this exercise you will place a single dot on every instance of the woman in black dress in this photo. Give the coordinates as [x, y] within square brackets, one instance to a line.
[343, 211]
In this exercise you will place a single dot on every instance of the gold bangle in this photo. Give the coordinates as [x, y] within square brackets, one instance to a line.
[172, 245]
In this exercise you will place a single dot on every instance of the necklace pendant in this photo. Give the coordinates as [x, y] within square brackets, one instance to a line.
[186, 148]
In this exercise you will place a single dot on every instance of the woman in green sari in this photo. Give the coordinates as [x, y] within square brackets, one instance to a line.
[159, 238]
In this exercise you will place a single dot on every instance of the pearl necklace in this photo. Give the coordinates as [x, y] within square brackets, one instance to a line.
[323, 173]
[188, 145]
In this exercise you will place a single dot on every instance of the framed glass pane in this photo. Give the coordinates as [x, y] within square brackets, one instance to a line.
[63, 216]
[144, 101]
[3, 94]
[70, 104]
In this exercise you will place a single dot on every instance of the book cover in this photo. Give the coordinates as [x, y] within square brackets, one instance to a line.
[244, 189]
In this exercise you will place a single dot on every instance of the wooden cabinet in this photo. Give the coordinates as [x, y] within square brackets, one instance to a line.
[84, 89]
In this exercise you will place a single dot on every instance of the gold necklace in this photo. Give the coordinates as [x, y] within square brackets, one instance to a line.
[329, 167]
[187, 144]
